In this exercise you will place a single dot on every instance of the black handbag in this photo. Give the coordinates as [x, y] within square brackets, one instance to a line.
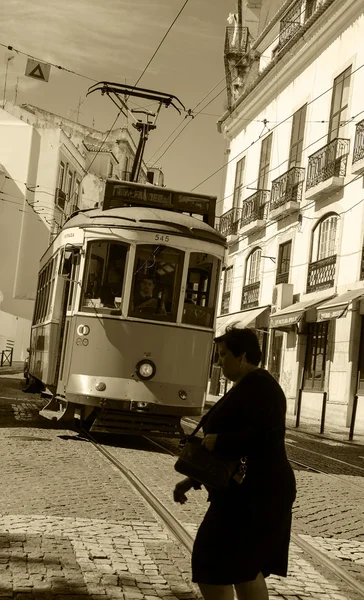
[207, 467]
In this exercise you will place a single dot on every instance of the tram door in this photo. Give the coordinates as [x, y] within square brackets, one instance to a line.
[69, 268]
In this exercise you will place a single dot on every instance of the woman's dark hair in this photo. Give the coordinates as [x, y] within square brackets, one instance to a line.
[240, 340]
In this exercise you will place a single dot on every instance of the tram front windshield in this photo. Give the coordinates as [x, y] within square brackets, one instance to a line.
[156, 282]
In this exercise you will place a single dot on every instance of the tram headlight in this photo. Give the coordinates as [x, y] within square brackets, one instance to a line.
[100, 386]
[182, 394]
[145, 369]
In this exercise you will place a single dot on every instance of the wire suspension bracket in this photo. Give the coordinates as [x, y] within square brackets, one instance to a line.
[118, 93]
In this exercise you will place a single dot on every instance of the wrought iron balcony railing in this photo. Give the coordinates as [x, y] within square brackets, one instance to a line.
[358, 153]
[255, 207]
[250, 296]
[282, 278]
[294, 18]
[329, 161]
[229, 222]
[236, 39]
[225, 303]
[321, 274]
[287, 188]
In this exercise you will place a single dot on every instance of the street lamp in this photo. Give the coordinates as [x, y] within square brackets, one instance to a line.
[6, 77]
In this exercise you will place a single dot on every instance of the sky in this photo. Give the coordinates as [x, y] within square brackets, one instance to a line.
[113, 40]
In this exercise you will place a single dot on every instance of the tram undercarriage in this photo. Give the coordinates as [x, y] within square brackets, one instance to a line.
[113, 420]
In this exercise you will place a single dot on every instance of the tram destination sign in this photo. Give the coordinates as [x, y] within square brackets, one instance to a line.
[119, 194]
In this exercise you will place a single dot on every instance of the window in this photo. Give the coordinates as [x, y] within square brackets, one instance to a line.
[284, 260]
[264, 165]
[77, 190]
[46, 281]
[275, 355]
[314, 371]
[103, 281]
[339, 103]
[111, 169]
[226, 290]
[69, 185]
[297, 135]
[310, 8]
[252, 274]
[201, 289]
[239, 175]
[156, 283]
[61, 176]
[325, 238]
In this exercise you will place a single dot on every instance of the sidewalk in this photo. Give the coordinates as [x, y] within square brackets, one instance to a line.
[16, 367]
[312, 426]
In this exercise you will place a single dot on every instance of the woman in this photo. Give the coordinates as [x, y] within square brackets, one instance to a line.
[244, 536]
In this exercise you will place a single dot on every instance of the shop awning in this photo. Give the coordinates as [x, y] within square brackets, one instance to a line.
[242, 319]
[337, 307]
[293, 313]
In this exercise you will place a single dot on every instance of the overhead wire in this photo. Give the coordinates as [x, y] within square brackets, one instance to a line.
[214, 98]
[273, 129]
[136, 83]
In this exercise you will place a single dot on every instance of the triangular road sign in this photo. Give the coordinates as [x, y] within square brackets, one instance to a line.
[37, 70]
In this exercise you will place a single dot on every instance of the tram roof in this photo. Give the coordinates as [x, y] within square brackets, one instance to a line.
[135, 217]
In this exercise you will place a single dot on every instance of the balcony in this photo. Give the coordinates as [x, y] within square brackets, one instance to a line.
[294, 19]
[60, 198]
[321, 274]
[250, 296]
[229, 222]
[282, 278]
[286, 193]
[327, 169]
[236, 40]
[254, 212]
[358, 154]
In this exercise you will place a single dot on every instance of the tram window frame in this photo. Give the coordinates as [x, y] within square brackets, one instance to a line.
[45, 287]
[104, 267]
[203, 315]
[166, 309]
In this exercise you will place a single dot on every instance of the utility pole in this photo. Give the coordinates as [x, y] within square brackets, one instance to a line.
[6, 77]
[16, 89]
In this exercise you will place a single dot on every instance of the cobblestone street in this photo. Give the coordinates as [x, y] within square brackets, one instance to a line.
[72, 527]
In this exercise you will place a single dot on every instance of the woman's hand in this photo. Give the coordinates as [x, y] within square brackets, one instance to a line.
[179, 492]
[209, 441]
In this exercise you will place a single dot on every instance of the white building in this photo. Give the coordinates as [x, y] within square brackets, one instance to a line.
[293, 208]
[23, 235]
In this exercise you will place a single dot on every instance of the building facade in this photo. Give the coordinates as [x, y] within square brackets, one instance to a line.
[293, 208]
[50, 167]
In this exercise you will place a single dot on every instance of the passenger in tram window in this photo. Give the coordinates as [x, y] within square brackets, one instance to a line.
[111, 291]
[144, 296]
[245, 534]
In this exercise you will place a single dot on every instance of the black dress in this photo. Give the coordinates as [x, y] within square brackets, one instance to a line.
[246, 529]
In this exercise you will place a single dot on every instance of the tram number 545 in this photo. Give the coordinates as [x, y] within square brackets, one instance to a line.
[161, 238]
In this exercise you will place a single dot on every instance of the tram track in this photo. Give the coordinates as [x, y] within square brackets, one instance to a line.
[186, 539]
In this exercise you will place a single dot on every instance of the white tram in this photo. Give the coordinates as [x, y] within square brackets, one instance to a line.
[124, 319]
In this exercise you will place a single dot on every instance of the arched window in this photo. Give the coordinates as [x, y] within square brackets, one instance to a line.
[252, 272]
[324, 242]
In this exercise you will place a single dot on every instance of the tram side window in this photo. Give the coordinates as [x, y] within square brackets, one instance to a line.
[201, 290]
[104, 276]
[156, 283]
[43, 305]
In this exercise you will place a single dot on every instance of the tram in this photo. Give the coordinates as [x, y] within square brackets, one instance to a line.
[124, 319]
